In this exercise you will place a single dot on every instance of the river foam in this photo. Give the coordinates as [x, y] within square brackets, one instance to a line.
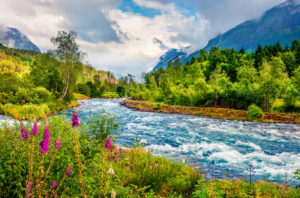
[214, 145]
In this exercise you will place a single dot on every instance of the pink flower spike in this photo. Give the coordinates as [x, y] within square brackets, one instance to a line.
[108, 143]
[44, 144]
[34, 130]
[69, 171]
[57, 144]
[54, 184]
[24, 135]
[75, 120]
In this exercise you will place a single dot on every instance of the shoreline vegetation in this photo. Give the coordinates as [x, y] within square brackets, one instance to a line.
[34, 111]
[211, 112]
[74, 159]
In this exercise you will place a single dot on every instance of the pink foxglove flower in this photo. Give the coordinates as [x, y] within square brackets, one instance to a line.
[69, 171]
[110, 171]
[44, 144]
[24, 135]
[34, 130]
[108, 143]
[54, 184]
[75, 120]
[57, 144]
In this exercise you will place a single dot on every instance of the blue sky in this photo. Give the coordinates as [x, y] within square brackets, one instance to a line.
[129, 36]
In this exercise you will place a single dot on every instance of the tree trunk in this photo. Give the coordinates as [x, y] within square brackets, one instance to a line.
[266, 105]
[65, 90]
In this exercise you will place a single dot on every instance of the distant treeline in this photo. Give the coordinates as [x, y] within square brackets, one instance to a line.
[226, 77]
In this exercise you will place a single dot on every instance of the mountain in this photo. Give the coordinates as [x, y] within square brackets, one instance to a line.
[280, 23]
[170, 55]
[13, 38]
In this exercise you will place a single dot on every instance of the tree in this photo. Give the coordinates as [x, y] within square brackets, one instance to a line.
[120, 91]
[68, 53]
[258, 56]
[153, 84]
[273, 79]
[46, 72]
[219, 81]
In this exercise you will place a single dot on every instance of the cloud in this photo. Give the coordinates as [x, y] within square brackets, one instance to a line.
[124, 40]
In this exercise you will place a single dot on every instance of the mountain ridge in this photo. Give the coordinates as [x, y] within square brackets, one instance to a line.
[13, 38]
[279, 23]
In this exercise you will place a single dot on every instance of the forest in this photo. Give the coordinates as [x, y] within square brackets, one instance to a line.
[268, 78]
[45, 83]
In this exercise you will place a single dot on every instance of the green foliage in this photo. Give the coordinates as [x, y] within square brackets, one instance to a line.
[225, 77]
[101, 126]
[254, 112]
[121, 91]
[137, 173]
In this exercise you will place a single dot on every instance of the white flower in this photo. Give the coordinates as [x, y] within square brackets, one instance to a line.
[110, 171]
[113, 194]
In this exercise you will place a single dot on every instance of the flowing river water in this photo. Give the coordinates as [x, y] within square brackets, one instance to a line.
[220, 148]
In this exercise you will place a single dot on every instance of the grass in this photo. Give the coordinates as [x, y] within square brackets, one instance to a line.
[110, 95]
[79, 96]
[278, 106]
[35, 111]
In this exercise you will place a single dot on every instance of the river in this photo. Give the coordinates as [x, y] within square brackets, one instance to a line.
[220, 148]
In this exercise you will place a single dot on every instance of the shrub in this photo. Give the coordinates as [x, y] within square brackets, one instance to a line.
[22, 96]
[254, 112]
[121, 91]
[158, 106]
[43, 94]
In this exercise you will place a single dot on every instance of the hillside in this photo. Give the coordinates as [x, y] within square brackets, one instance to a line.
[280, 23]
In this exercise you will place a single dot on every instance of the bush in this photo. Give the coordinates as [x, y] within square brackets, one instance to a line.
[254, 112]
[121, 91]
[22, 96]
[43, 94]
[158, 106]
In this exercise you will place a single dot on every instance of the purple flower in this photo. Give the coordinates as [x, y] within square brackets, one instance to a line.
[24, 135]
[54, 184]
[75, 120]
[34, 130]
[29, 186]
[108, 143]
[57, 144]
[69, 171]
[45, 143]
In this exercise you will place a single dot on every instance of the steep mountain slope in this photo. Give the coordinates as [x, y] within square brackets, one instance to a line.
[170, 55]
[280, 23]
[13, 38]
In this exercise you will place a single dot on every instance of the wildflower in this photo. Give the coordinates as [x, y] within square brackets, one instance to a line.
[183, 161]
[54, 184]
[113, 194]
[110, 171]
[29, 186]
[75, 121]
[44, 144]
[34, 130]
[69, 171]
[24, 135]
[108, 143]
[57, 144]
